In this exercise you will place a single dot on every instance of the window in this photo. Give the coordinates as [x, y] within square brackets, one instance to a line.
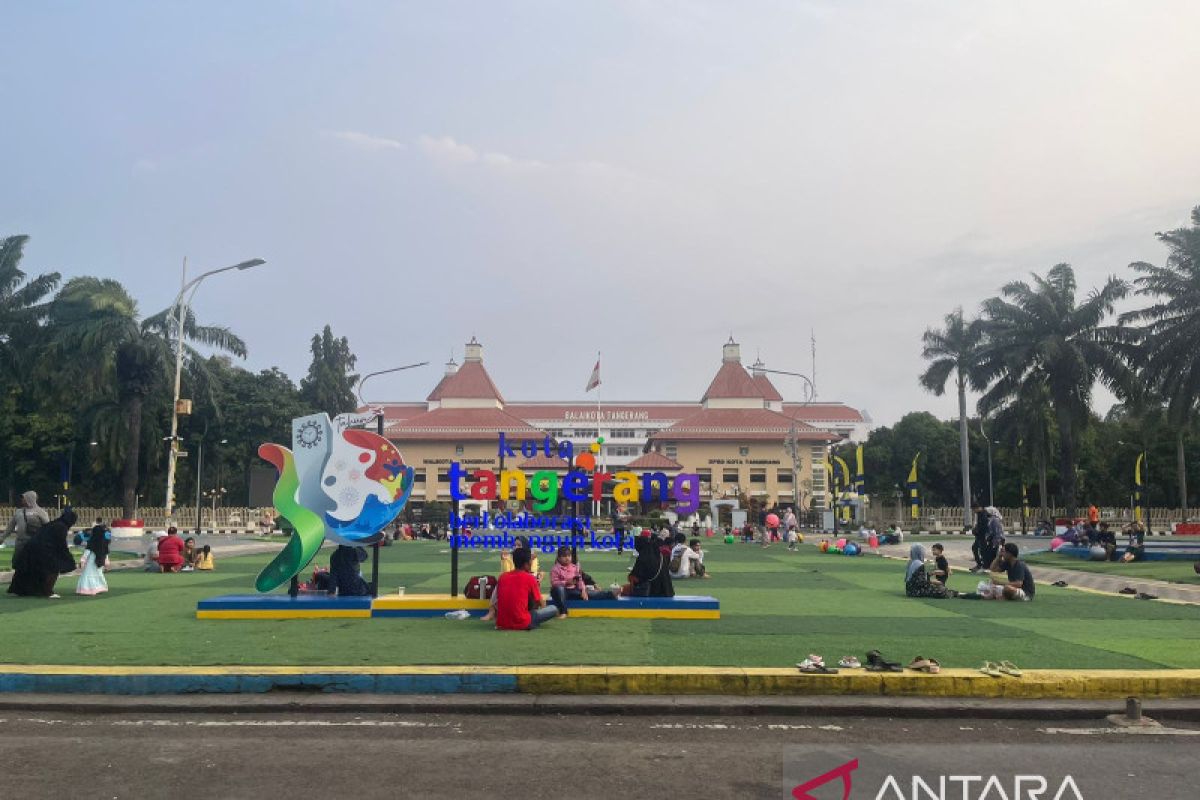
[556, 433]
[783, 476]
[418, 476]
[586, 433]
[443, 476]
[458, 449]
[705, 475]
[670, 451]
[743, 451]
[758, 476]
[623, 450]
[730, 476]
[623, 433]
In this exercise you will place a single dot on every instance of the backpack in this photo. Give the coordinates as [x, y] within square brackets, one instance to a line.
[677, 561]
[480, 587]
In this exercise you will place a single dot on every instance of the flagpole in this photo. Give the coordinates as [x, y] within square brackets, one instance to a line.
[603, 461]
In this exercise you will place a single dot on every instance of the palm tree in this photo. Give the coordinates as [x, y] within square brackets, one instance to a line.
[1040, 330]
[1023, 416]
[21, 304]
[1169, 340]
[953, 351]
[99, 337]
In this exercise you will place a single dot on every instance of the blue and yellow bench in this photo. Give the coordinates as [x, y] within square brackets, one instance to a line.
[275, 606]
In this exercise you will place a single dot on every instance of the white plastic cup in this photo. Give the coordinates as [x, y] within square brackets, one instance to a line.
[400, 591]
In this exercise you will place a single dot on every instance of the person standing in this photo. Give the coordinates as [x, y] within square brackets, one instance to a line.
[95, 555]
[979, 531]
[995, 537]
[25, 522]
[42, 559]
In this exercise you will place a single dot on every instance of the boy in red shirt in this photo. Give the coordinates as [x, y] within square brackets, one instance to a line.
[516, 593]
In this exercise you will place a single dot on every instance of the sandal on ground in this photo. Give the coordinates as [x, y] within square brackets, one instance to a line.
[850, 662]
[810, 667]
[1128, 590]
[1144, 596]
[1010, 669]
[919, 663]
[991, 669]
[877, 663]
[933, 667]
[1060, 584]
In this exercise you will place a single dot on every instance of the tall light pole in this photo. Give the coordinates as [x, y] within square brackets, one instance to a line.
[379, 429]
[988, 439]
[791, 444]
[178, 307]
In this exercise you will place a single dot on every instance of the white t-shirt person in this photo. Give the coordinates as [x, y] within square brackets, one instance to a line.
[687, 556]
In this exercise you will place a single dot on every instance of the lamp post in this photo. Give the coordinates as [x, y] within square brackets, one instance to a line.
[988, 439]
[178, 308]
[791, 444]
[379, 430]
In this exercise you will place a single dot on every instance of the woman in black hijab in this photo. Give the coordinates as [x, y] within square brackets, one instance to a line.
[650, 576]
[44, 557]
[343, 565]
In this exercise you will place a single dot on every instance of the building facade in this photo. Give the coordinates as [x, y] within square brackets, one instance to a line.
[741, 437]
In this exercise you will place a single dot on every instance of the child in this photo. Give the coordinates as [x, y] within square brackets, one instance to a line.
[567, 582]
[941, 572]
[189, 554]
[91, 578]
[204, 559]
[698, 562]
[793, 539]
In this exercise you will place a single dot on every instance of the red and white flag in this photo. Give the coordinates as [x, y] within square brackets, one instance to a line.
[594, 381]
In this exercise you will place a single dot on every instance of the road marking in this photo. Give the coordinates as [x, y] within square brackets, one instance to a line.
[1151, 731]
[281, 723]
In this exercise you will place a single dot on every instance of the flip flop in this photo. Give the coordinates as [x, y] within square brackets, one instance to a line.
[810, 667]
[1060, 584]
[1009, 668]
[850, 662]
[1128, 590]
[933, 667]
[990, 669]
[919, 663]
[1144, 596]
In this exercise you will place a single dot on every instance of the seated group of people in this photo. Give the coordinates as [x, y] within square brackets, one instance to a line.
[1091, 534]
[1011, 578]
[169, 552]
[518, 604]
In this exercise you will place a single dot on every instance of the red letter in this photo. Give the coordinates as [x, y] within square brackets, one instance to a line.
[598, 479]
[484, 487]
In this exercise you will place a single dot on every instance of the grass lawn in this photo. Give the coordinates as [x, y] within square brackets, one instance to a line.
[7, 553]
[776, 608]
[1173, 571]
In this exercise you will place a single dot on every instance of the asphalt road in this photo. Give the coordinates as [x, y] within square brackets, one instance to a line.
[335, 756]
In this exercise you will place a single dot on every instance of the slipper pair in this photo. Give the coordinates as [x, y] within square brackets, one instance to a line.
[1060, 584]
[877, 663]
[994, 670]
[923, 664]
[850, 662]
[815, 665]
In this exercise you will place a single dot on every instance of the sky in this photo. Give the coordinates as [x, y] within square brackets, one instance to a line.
[641, 179]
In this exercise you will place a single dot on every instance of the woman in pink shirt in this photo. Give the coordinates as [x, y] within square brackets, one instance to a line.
[566, 583]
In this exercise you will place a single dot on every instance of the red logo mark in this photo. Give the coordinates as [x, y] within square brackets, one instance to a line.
[801, 791]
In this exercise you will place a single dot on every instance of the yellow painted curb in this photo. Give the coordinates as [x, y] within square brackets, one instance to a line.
[286, 613]
[748, 681]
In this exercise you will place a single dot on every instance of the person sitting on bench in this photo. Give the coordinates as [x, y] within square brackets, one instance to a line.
[567, 582]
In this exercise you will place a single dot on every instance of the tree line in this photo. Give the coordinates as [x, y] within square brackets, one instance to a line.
[86, 392]
[1035, 352]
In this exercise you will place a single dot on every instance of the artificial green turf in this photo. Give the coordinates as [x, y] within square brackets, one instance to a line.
[7, 553]
[776, 608]
[1172, 571]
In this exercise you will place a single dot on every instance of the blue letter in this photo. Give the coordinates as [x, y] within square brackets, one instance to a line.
[457, 473]
[575, 485]
[504, 449]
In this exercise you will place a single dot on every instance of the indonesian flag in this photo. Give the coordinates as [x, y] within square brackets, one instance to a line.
[594, 381]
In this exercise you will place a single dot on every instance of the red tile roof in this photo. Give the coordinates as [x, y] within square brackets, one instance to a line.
[654, 460]
[823, 412]
[471, 382]
[769, 392]
[741, 423]
[732, 380]
[458, 424]
[543, 461]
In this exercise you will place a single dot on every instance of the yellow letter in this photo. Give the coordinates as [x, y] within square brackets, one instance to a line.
[507, 478]
[627, 490]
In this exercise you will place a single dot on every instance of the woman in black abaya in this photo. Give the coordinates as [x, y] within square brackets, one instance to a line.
[44, 557]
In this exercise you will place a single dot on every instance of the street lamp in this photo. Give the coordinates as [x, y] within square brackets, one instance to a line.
[379, 429]
[988, 439]
[178, 307]
[791, 444]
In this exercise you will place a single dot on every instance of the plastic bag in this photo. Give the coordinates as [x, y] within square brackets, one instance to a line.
[461, 613]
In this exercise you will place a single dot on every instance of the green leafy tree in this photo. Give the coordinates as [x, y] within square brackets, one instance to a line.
[97, 333]
[329, 386]
[1040, 329]
[954, 351]
[1169, 339]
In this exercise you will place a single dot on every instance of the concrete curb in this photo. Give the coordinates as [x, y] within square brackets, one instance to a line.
[602, 705]
[598, 680]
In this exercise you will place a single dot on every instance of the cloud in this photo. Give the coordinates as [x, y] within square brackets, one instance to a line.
[366, 141]
[447, 150]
